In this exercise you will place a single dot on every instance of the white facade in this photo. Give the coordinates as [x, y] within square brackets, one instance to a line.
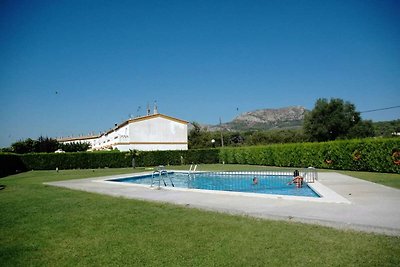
[151, 132]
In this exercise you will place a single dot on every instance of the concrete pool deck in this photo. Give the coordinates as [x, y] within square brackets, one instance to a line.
[350, 203]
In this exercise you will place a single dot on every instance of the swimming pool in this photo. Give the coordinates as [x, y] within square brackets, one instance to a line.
[276, 184]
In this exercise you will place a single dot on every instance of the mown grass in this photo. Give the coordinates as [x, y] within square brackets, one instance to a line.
[47, 226]
[388, 179]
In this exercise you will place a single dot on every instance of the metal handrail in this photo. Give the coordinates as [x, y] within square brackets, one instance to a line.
[161, 171]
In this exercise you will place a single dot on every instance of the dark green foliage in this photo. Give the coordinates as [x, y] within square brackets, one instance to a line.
[378, 155]
[116, 159]
[177, 157]
[201, 138]
[386, 128]
[10, 164]
[205, 156]
[275, 137]
[43, 144]
[195, 133]
[74, 147]
[362, 129]
[47, 145]
[6, 150]
[76, 160]
[330, 120]
[26, 146]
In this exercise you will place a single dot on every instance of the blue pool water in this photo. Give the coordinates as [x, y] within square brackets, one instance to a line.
[267, 184]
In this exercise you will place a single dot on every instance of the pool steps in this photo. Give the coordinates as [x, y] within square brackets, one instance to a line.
[160, 173]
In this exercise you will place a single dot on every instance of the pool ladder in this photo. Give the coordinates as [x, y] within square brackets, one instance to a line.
[160, 173]
[191, 176]
[194, 169]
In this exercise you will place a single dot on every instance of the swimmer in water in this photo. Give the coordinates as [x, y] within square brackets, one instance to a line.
[298, 180]
[255, 180]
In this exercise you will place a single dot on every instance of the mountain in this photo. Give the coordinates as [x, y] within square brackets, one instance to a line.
[264, 119]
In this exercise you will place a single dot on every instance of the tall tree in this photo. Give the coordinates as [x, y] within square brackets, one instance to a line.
[24, 146]
[332, 119]
[43, 144]
[362, 129]
[46, 144]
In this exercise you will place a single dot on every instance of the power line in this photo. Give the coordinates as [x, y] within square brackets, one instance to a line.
[379, 109]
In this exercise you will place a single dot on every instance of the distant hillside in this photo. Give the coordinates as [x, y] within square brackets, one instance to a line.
[265, 119]
[286, 118]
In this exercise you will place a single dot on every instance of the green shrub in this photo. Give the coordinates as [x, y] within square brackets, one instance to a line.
[379, 155]
[10, 164]
[76, 160]
[115, 159]
[176, 157]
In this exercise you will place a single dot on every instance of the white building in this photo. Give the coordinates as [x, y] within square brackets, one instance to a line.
[151, 132]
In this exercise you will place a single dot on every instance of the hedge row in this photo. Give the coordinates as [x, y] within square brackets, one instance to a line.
[11, 163]
[378, 155]
[177, 157]
[75, 160]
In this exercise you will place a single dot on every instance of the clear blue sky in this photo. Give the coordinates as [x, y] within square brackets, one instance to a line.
[74, 67]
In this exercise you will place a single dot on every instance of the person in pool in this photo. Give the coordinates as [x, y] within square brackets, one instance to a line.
[255, 181]
[298, 180]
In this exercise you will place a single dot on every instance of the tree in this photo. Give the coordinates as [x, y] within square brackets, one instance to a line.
[24, 146]
[201, 138]
[333, 119]
[46, 144]
[43, 144]
[74, 147]
[275, 136]
[362, 129]
[386, 128]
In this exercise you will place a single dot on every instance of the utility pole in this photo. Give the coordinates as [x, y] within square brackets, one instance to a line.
[222, 137]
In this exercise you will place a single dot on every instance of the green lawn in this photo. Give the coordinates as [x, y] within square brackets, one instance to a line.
[388, 179]
[48, 226]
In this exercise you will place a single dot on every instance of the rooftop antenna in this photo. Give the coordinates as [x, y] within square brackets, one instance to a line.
[137, 111]
[155, 107]
[148, 109]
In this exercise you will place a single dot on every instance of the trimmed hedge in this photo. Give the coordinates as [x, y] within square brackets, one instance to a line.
[10, 164]
[378, 155]
[112, 159]
[75, 160]
[177, 157]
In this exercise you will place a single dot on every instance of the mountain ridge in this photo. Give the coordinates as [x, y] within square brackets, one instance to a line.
[264, 119]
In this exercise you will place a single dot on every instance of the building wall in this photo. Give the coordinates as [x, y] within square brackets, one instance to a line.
[156, 132]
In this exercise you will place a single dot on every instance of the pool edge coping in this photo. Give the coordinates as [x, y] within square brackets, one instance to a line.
[326, 194]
